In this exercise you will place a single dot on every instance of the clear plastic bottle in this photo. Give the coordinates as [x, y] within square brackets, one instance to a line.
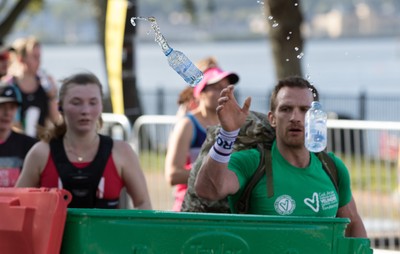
[176, 59]
[183, 66]
[315, 128]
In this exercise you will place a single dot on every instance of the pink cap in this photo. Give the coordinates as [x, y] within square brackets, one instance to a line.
[212, 76]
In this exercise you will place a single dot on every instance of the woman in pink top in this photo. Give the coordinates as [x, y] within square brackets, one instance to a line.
[73, 156]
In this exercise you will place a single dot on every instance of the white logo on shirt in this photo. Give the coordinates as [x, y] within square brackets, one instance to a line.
[285, 205]
[313, 203]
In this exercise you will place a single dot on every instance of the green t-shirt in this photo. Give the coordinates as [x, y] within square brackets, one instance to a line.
[297, 191]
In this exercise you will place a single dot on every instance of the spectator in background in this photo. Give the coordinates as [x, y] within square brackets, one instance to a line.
[186, 101]
[4, 57]
[73, 156]
[190, 131]
[13, 145]
[38, 90]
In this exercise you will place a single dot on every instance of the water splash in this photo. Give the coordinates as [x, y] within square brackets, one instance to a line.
[176, 59]
[274, 22]
[159, 38]
[289, 36]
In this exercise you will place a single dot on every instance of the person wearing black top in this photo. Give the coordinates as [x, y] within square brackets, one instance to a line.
[13, 145]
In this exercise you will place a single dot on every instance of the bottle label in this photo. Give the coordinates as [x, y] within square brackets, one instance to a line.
[319, 131]
[315, 135]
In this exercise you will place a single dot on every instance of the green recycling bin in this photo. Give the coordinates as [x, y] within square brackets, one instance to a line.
[101, 231]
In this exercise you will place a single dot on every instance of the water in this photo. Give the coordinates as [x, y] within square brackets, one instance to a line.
[176, 59]
[159, 37]
[345, 66]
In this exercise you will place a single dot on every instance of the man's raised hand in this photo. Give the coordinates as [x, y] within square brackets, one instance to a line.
[231, 115]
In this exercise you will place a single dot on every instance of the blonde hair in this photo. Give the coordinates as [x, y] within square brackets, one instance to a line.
[59, 129]
[21, 47]
[207, 63]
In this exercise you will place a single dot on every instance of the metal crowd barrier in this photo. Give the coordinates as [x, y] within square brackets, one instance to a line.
[116, 126]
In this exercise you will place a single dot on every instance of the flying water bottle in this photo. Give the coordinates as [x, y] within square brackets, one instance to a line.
[315, 128]
[176, 59]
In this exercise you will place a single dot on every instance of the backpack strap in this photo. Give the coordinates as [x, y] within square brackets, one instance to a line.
[242, 205]
[330, 168]
[268, 171]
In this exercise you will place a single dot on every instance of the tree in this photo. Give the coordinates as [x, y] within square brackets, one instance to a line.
[132, 104]
[11, 17]
[131, 100]
[285, 17]
[285, 36]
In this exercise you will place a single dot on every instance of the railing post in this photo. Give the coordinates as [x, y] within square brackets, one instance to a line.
[363, 105]
[160, 101]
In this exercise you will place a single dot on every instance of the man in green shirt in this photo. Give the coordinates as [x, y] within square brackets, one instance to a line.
[301, 186]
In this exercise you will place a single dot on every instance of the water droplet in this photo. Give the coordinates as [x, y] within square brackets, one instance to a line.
[287, 37]
[296, 48]
[300, 56]
[296, 4]
[133, 21]
[270, 17]
[275, 24]
[308, 77]
[287, 60]
[260, 2]
[290, 32]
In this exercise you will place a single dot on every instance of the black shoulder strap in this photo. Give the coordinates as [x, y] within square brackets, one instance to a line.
[81, 182]
[330, 168]
[242, 205]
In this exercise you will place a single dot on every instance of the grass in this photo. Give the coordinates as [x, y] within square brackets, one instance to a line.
[372, 174]
[152, 161]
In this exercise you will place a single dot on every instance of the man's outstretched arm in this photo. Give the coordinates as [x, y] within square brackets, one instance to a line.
[214, 180]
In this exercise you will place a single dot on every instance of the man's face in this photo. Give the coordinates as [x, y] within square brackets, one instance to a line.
[288, 117]
[7, 115]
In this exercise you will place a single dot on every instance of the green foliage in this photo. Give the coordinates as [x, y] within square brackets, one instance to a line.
[35, 6]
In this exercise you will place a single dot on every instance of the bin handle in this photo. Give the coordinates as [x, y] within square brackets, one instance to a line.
[67, 196]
